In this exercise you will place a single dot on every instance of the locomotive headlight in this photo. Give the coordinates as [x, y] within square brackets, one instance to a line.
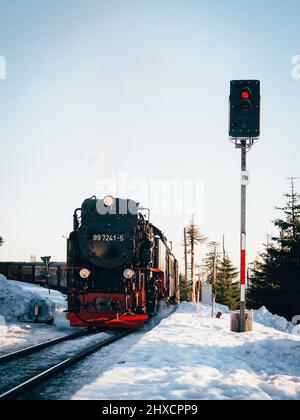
[85, 273]
[109, 201]
[128, 273]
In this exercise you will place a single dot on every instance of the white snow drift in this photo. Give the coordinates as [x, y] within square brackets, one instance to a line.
[17, 304]
[263, 316]
[192, 356]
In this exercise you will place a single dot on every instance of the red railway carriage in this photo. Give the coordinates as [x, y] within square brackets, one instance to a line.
[119, 266]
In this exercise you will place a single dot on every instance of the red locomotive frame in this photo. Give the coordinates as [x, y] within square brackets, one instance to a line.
[115, 319]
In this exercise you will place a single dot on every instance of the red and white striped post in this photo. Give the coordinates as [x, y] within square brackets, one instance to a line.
[244, 182]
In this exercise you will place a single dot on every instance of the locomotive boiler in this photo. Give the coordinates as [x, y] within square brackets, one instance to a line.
[119, 266]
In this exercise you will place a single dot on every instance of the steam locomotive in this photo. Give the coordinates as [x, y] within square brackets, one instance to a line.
[119, 266]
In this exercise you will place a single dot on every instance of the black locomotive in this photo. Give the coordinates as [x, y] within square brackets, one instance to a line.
[119, 266]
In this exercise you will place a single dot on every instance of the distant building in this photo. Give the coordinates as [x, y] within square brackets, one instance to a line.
[206, 295]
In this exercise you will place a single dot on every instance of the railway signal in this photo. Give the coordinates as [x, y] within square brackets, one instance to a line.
[46, 261]
[245, 109]
[244, 130]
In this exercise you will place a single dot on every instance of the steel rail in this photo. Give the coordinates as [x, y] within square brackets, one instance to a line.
[33, 349]
[27, 386]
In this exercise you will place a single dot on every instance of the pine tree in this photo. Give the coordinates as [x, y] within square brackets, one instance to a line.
[185, 289]
[194, 237]
[221, 273]
[186, 278]
[276, 281]
[227, 288]
[212, 260]
[290, 226]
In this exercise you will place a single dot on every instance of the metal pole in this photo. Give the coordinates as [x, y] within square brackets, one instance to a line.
[186, 262]
[243, 240]
[214, 282]
[47, 274]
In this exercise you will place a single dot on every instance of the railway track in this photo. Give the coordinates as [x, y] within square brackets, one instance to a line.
[49, 343]
[30, 384]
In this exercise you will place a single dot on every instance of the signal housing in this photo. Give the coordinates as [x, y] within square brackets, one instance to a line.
[244, 109]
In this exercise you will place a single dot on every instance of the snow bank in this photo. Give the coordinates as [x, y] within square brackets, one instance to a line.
[263, 316]
[193, 356]
[19, 304]
[3, 327]
[57, 298]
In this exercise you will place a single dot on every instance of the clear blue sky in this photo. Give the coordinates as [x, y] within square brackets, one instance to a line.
[94, 87]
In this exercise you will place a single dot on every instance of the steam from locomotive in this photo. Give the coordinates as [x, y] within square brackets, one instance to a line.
[119, 266]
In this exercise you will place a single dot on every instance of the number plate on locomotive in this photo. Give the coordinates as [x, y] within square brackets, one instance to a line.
[103, 237]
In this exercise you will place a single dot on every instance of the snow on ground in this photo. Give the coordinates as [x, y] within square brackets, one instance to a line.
[192, 356]
[58, 299]
[263, 316]
[18, 298]
[17, 304]
[64, 386]
[188, 356]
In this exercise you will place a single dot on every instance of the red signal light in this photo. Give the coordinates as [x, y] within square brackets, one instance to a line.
[245, 94]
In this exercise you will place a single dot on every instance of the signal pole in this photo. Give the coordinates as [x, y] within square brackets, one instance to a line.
[244, 130]
[214, 281]
[240, 324]
[46, 261]
[243, 233]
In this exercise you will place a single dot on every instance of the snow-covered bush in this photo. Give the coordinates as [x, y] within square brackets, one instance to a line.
[18, 304]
